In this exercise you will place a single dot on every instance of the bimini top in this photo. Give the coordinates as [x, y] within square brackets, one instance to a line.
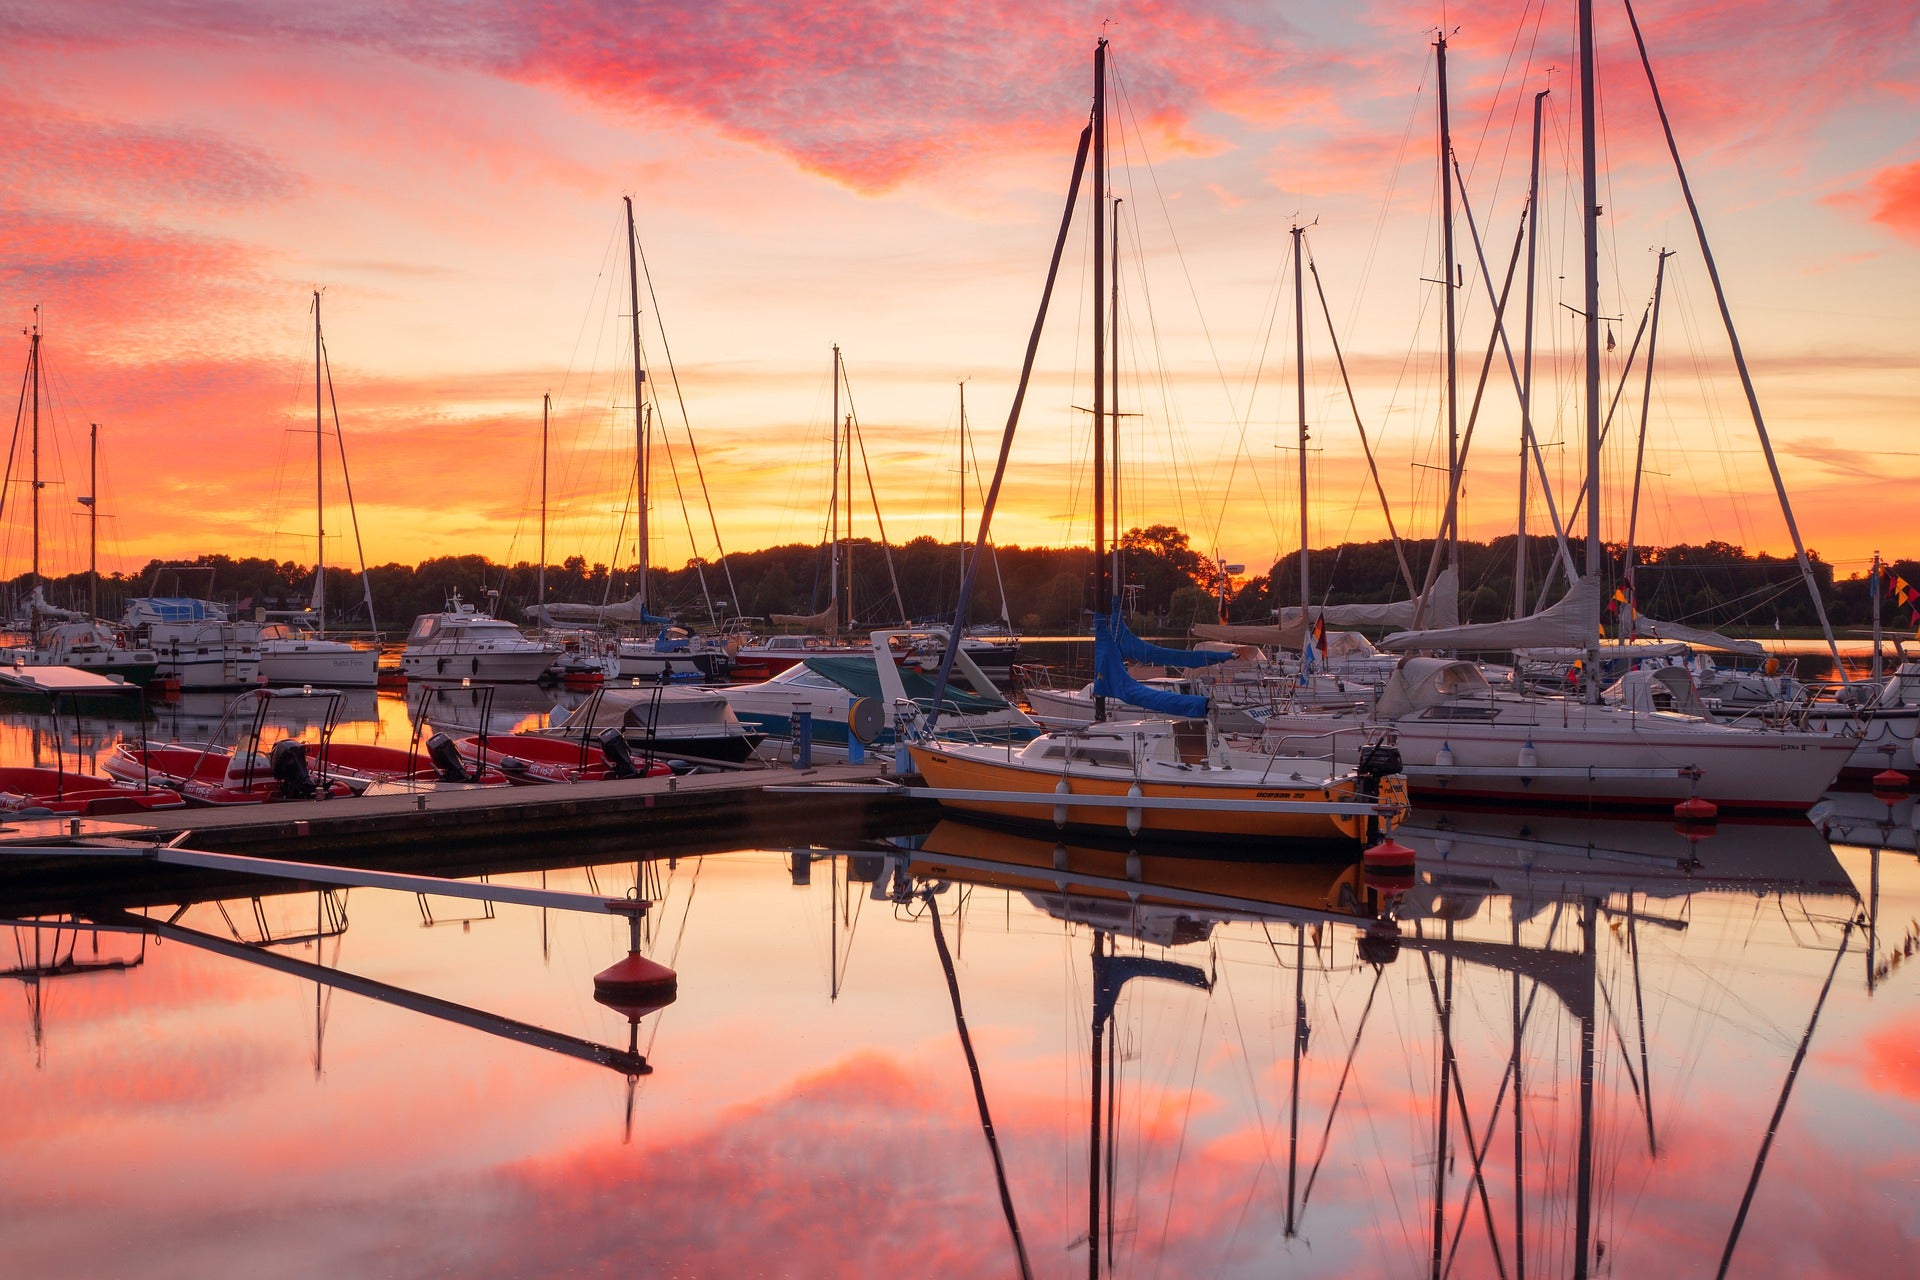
[173, 609]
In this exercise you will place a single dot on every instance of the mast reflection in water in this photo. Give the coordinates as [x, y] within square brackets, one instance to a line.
[1558, 1048]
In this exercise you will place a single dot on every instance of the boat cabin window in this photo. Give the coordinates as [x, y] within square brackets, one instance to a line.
[1461, 711]
[424, 626]
[809, 679]
[1114, 757]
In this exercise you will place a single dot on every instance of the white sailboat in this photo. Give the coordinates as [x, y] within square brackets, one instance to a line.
[291, 653]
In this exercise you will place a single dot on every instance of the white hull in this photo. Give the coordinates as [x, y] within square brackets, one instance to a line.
[485, 667]
[1601, 754]
[342, 667]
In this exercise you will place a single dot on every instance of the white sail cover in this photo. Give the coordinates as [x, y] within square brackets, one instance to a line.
[1574, 620]
[1443, 610]
[37, 603]
[1419, 683]
[632, 611]
[1699, 639]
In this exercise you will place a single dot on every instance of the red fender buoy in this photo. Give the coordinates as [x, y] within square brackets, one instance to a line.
[1388, 855]
[1694, 809]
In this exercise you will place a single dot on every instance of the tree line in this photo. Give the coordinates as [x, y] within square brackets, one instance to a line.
[1165, 584]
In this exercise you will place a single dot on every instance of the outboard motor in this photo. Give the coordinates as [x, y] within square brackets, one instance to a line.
[1378, 760]
[446, 759]
[288, 761]
[620, 761]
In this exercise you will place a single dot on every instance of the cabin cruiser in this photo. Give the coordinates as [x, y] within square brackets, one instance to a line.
[87, 646]
[463, 643]
[196, 642]
[293, 654]
[673, 653]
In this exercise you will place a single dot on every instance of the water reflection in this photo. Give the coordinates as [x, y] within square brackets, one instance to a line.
[1559, 1047]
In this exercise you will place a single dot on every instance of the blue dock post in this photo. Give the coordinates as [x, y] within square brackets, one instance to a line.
[802, 736]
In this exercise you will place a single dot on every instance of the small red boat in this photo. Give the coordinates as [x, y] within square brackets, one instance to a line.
[209, 775]
[83, 795]
[530, 759]
[360, 765]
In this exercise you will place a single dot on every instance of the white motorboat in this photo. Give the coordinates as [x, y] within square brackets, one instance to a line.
[196, 642]
[463, 643]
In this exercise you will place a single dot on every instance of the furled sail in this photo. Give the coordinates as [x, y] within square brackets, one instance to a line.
[632, 611]
[1699, 639]
[1112, 680]
[1573, 620]
[826, 622]
[1134, 649]
[1443, 610]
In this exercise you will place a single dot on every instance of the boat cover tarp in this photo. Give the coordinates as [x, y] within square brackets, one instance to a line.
[1680, 633]
[1294, 626]
[858, 676]
[1133, 649]
[629, 611]
[1419, 683]
[1645, 690]
[656, 705]
[826, 622]
[1111, 680]
[1573, 620]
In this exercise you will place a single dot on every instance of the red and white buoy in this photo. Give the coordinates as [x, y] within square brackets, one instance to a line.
[635, 986]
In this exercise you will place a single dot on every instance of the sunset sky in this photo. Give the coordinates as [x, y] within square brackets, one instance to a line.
[178, 178]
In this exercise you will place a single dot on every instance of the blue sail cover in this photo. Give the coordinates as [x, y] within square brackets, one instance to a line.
[1111, 680]
[1133, 649]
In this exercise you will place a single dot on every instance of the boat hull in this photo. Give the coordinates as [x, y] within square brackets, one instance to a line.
[335, 668]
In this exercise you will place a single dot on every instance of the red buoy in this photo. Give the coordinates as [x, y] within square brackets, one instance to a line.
[636, 978]
[1889, 780]
[1694, 809]
[1388, 854]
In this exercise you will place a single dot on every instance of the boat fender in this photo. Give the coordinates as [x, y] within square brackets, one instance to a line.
[288, 760]
[1133, 815]
[446, 760]
[1060, 788]
[620, 761]
[1443, 758]
[1529, 757]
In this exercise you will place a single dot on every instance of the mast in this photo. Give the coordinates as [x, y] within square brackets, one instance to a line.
[963, 477]
[1646, 406]
[93, 520]
[833, 497]
[540, 589]
[849, 575]
[1300, 392]
[319, 481]
[1590, 319]
[1874, 584]
[1113, 406]
[1448, 272]
[639, 390]
[1526, 364]
[33, 360]
[1102, 582]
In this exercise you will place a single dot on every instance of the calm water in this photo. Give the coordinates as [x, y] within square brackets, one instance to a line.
[175, 1110]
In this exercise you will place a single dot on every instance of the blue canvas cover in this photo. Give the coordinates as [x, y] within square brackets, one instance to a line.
[1110, 679]
[1133, 649]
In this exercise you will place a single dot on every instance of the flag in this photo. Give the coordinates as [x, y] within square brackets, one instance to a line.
[1619, 598]
[1320, 636]
[1575, 671]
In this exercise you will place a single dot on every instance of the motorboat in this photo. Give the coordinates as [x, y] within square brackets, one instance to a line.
[362, 765]
[291, 654]
[463, 643]
[196, 642]
[87, 646]
[663, 721]
[529, 759]
[673, 653]
[256, 771]
[826, 686]
[26, 791]
[1155, 782]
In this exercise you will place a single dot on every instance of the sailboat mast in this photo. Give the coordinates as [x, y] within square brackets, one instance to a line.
[1300, 395]
[1640, 449]
[1526, 364]
[33, 360]
[833, 497]
[1448, 271]
[1874, 584]
[1102, 583]
[639, 397]
[1590, 305]
[1113, 403]
[963, 478]
[319, 480]
[93, 520]
[540, 588]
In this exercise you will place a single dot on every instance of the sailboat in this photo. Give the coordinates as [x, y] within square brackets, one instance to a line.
[294, 654]
[1138, 777]
[1461, 738]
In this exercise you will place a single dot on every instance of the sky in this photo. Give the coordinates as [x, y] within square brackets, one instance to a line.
[180, 178]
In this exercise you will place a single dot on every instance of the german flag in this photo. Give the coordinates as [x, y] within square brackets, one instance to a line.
[1320, 636]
